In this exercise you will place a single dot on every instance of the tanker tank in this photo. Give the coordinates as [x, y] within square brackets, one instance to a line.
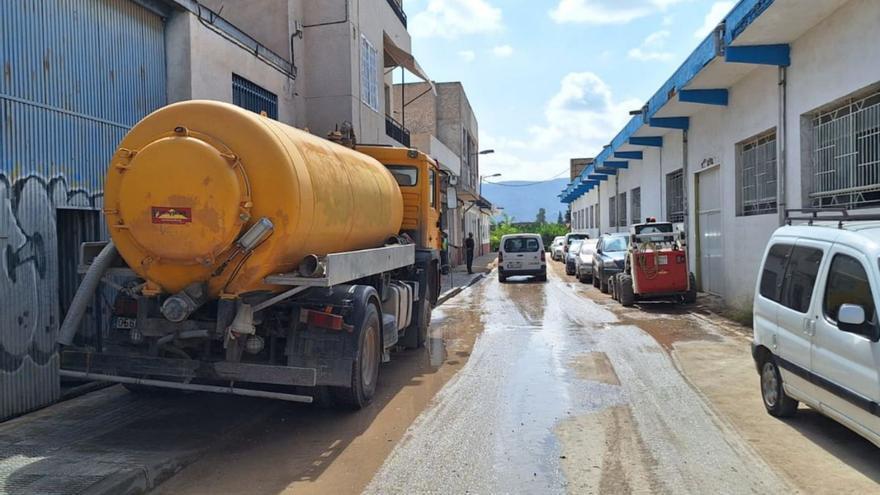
[189, 183]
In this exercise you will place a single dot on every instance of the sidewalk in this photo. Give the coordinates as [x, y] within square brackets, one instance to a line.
[459, 279]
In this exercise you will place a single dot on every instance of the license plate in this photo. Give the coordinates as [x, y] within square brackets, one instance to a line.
[125, 323]
[514, 264]
[662, 260]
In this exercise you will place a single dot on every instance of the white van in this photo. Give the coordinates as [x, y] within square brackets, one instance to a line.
[816, 330]
[522, 254]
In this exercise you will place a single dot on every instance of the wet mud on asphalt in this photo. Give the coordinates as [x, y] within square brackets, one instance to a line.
[562, 395]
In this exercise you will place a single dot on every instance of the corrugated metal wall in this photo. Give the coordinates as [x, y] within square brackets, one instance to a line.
[76, 74]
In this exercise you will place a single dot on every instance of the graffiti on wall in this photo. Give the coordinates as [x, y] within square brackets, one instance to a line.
[29, 270]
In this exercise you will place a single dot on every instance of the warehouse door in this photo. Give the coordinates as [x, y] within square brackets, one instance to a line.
[75, 76]
[710, 247]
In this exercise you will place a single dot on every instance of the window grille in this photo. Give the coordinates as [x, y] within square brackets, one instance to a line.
[757, 175]
[635, 198]
[252, 97]
[846, 155]
[675, 196]
[612, 211]
[369, 74]
[621, 210]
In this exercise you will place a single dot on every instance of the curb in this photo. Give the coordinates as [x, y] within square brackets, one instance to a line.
[457, 290]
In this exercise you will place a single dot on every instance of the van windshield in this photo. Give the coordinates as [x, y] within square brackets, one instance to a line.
[521, 245]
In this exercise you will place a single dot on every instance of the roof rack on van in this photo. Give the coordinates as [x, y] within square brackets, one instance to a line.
[840, 215]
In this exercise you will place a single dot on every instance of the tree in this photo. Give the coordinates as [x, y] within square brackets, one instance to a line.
[541, 219]
[559, 219]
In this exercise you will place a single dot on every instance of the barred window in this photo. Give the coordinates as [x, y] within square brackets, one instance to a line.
[756, 175]
[675, 196]
[845, 153]
[369, 74]
[635, 198]
[252, 97]
[621, 210]
[592, 217]
[612, 211]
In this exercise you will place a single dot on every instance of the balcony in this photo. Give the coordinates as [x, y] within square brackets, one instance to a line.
[397, 7]
[395, 130]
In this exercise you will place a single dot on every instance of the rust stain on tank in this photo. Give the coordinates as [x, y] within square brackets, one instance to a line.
[208, 218]
[206, 181]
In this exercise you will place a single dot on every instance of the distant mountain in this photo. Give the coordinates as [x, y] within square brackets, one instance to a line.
[522, 199]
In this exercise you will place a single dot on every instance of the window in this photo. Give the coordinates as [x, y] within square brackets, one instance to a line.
[406, 176]
[774, 271]
[612, 212]
[252, 97]
[845, 153]
[431, 186]
[800, 277]
[675, 196]
[848, 284]
[756, 175]
[621, 210]
[614, 244]
[369, 74]
[635, 198]
[521, 245]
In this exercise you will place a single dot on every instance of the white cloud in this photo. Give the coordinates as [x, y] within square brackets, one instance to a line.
[467, 55]
[652, 48]
[454, 18]
[579, 119]
[714, 17]
[607, 11]
[502, 51]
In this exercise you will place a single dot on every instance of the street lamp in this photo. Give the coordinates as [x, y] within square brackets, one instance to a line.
[486, 152]
[486, 177]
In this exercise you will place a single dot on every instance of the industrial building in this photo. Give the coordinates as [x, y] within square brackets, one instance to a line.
[778, 108]
[77, 74]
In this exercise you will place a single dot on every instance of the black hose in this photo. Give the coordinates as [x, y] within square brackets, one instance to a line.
[84, 294]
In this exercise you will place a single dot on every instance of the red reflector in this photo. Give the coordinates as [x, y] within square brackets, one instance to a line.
[543, 256]
[323, 320]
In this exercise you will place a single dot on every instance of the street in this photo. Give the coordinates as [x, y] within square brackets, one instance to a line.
[524, 388]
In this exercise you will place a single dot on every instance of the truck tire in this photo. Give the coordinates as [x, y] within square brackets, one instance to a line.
[417, 332]
[365, 369]
[690, 297]
[624, 290]
[777, 403]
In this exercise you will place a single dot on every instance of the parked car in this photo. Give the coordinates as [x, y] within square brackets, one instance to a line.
[609, 258]
[583, 265]
[571, 237]
[571, 256]
[556, 248]
[816, 329]
[522, 254]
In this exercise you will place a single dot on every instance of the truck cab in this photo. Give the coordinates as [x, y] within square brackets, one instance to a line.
[419, 179]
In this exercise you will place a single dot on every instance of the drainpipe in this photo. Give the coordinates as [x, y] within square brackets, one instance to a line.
[661, 213]
[599, 210]
[616, 202]
[781, 147]
[685, 180]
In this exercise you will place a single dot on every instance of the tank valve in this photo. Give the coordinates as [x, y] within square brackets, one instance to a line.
[179, 306]
[258, 233]
[311, 266]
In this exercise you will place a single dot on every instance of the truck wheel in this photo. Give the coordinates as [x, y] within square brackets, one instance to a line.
[773, 394]
[365, 369]
[625, 290]
[417, 333]
[690, 296]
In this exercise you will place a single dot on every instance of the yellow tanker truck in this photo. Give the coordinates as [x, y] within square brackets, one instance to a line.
[256, 259]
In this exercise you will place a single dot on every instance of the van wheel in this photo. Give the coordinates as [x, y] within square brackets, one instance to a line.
[365, 369]
[773, 394]
[501, 278]
[595, 279]
[690, 296]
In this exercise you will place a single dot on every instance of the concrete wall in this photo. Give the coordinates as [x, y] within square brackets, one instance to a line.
[829, 64]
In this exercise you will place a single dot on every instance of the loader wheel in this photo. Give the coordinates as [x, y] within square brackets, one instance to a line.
[365, 369]
[624, 290]
[690, 296]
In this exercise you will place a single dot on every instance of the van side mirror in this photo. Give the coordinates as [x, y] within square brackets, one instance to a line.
[851, 319]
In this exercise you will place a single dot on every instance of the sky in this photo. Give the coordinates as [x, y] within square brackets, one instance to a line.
[551, 80]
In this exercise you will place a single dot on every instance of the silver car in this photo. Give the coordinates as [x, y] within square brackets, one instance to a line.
[571, 256]
[583, 265]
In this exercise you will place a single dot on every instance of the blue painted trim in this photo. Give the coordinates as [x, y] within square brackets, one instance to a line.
[606, 170]
[680, 123]
[652, 141]
[599, 177]
[742, 16]
[617, 165]
[779, 55]
[158, 7]
[704, 96]
[629, 155]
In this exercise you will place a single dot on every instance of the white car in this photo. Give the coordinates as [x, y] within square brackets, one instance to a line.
[571, 255]
[556, 248]
[816, 330]
[583, 263]
[522, 254]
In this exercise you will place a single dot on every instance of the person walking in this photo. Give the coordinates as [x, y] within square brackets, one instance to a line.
[469, 251]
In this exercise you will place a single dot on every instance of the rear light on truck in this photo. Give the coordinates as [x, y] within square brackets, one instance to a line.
[321, 319]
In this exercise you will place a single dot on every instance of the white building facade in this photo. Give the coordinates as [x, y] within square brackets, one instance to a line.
[778, 109]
